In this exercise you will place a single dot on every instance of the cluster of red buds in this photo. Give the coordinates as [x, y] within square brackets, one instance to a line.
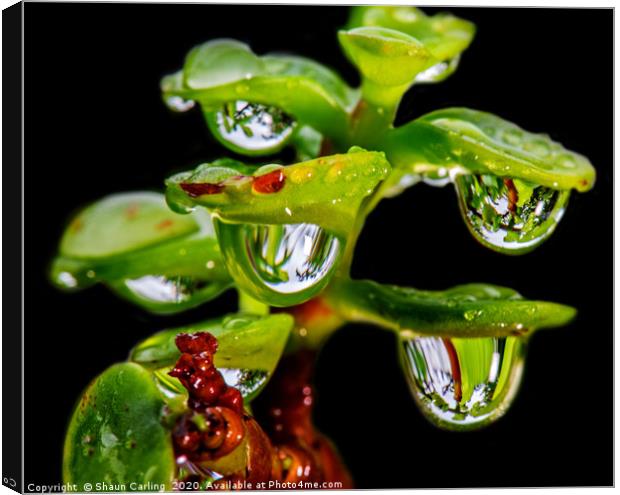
[221, 429]
[217, 423]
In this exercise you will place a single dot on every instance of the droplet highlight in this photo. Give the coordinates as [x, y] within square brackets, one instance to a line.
[438, 72]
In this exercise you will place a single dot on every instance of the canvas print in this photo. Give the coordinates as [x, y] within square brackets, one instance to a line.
[316, 247]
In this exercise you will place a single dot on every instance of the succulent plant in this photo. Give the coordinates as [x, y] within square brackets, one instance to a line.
[180, 413]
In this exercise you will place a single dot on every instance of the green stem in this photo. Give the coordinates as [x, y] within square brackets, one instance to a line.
[375, 113]
[247, 304]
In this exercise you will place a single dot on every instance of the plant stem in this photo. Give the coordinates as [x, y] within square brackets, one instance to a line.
[247, 304]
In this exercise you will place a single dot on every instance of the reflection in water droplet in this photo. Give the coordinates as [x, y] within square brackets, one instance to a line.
[509, 215]
[178, 104]
[251, 127]
[279, 264]
[463, 383]
[159, 292]
[247, 381]
[66, 280]
[438, 72]
[439, 177]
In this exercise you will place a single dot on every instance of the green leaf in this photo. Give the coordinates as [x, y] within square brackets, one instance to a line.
[162, 274]
[121, 223]
[116, 436]
[385, 56]
[220, 62]
[327, 191]
[470, 141]
[473, 310]
[443, 35]
[311, 93]
[249, 347]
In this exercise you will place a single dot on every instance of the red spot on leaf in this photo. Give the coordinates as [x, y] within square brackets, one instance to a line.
[269, 183]
[76, 225]
[198, 189]
[164, 224]
[131, 211]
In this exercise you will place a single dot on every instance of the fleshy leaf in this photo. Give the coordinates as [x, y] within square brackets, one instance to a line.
[220, 62]
[443, 35]
[459, 140]
[385, 56]
[249, 347]
[326, 191]
[137, 219]
[116, 434]
[473, 310]
[309, 92]
[152, 269]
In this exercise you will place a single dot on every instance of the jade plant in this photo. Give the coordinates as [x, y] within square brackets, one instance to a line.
[229, 399]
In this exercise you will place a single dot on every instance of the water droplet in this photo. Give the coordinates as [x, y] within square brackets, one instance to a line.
[537, 147]
[437, 178]
[247, 381]
[162, 293]
[472, 314]
[513, 137]
[250, 127]
[509, 215]
[463, 383]
[242, 88]
[299, 175]
[438, 72]
[567, 161]
[65, 279]
[269, 183]
[279, 264]
[179, 104]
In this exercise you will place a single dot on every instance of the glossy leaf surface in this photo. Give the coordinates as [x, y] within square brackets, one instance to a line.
[385, 56]
[459, 140]
[326, 191]
[473, 310]
[443, 35]
[116, 436]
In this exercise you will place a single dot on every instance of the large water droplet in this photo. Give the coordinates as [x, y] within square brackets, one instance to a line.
[509, 215]
[463, 383]
[438, 72]
[279, 264]
[251, 128]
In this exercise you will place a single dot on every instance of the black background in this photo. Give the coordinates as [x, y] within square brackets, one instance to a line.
[95, 124]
